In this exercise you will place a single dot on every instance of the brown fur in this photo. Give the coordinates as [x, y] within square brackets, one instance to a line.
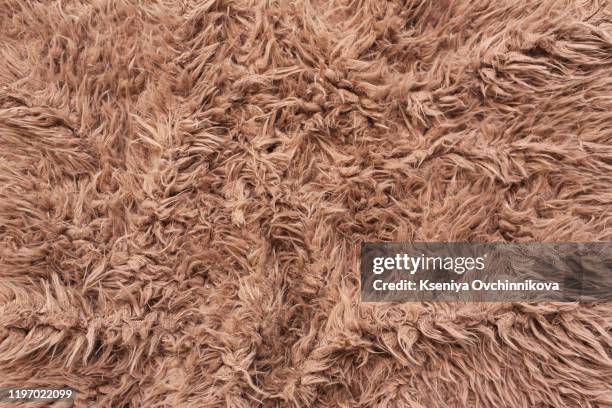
[184, 186]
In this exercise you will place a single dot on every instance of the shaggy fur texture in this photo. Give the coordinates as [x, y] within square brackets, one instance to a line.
[184, 186]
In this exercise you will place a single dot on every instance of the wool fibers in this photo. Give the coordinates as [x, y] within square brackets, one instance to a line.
[185, 185]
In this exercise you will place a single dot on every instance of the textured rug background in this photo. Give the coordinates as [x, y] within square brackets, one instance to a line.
[184, 186]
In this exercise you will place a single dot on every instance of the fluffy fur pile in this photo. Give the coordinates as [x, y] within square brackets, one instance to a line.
[184, 186]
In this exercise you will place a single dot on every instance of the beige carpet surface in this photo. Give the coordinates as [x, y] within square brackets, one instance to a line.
[184, 186]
